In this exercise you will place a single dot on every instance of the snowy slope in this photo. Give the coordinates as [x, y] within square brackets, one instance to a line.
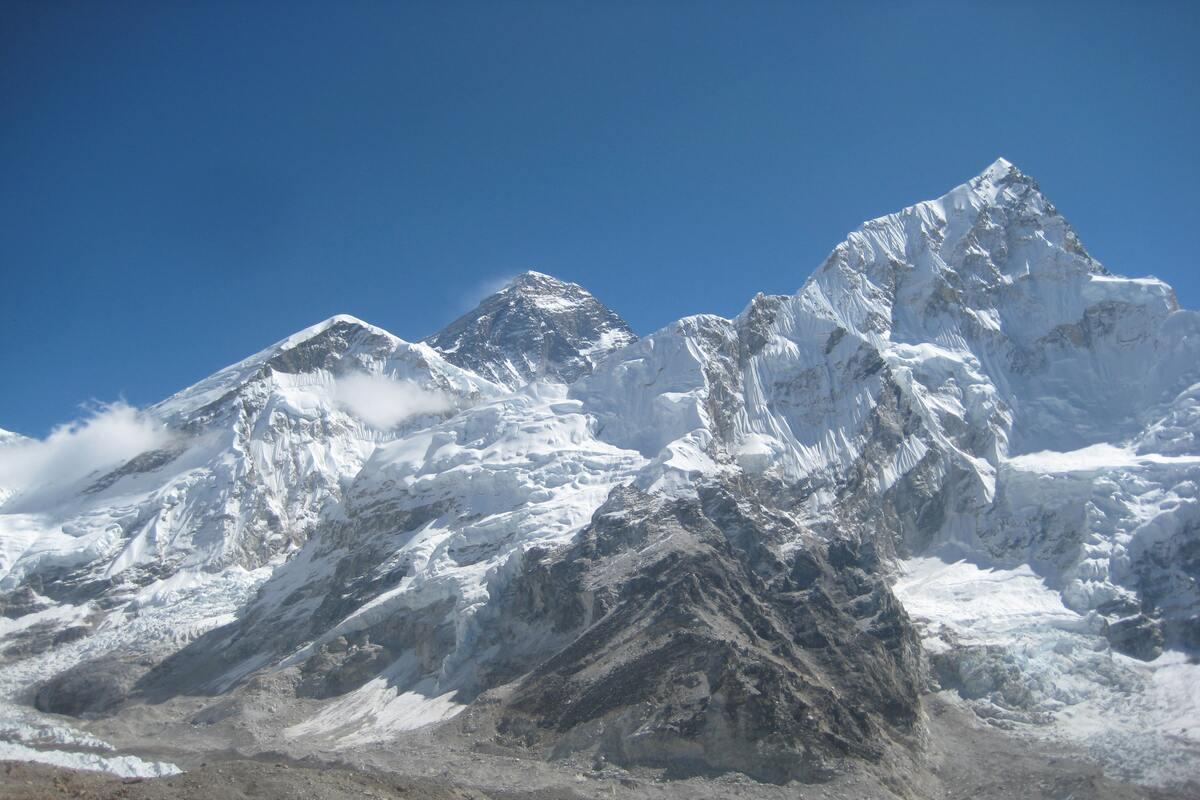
[256, 451]
[432, 522]
[1025, 662]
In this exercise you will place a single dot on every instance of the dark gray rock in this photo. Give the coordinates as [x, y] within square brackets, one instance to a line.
[92, 688]
[699, 650]
[1138, 636]
[536, 327]
[979, 672]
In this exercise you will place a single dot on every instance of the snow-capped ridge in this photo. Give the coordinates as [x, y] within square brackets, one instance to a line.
[532, 277]
[326, 324]
[999, 170]
[225, 380]
[344, 322]
[1001, 166]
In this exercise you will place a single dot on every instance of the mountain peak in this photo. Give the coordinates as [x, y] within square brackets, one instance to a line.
[536, 327]
[532, 277]
[539, 284]
[340, 327]
[319, 345]
[1003, 183]
[998, 170]
[924, 270]
[337, 321]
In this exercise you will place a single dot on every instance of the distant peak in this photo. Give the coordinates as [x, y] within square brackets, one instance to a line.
[534, 276]
[334, 321]
[343, 319]
[531, 279]
[544, 292]
[999, 168]
[537, 326]
[1000, 172]
[339, 324]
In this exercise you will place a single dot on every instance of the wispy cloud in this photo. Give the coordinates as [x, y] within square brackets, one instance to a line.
[384, 402]
[110, 435]
[482, 290]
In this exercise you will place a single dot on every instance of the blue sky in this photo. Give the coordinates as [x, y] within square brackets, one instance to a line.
[185, 183]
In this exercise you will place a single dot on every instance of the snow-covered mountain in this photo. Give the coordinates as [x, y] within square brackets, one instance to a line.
[255, 453]
[535, 328]
[673, 551]
[939, 357]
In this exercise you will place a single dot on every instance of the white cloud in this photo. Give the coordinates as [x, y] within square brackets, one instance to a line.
[384, 402]
[109, 436]
[483, 290]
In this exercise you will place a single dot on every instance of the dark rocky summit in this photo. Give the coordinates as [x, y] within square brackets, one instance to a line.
[536, 327]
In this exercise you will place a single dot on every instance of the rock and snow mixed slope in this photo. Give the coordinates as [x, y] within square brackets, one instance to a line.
[943, 368]
[139, 557]
[536, 327]
[536, 516]
[248, 461]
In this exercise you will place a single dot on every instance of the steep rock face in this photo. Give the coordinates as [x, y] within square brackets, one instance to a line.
[537, 327]
[710, 635]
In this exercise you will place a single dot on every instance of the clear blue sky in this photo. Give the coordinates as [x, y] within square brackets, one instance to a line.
[184, 182]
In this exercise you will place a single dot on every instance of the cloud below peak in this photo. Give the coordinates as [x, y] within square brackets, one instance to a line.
[108, 436]
[384, 402]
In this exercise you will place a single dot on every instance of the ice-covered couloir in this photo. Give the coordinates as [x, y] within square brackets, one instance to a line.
[959, 380]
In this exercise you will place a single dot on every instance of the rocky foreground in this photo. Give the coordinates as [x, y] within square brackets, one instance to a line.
[967, 762]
